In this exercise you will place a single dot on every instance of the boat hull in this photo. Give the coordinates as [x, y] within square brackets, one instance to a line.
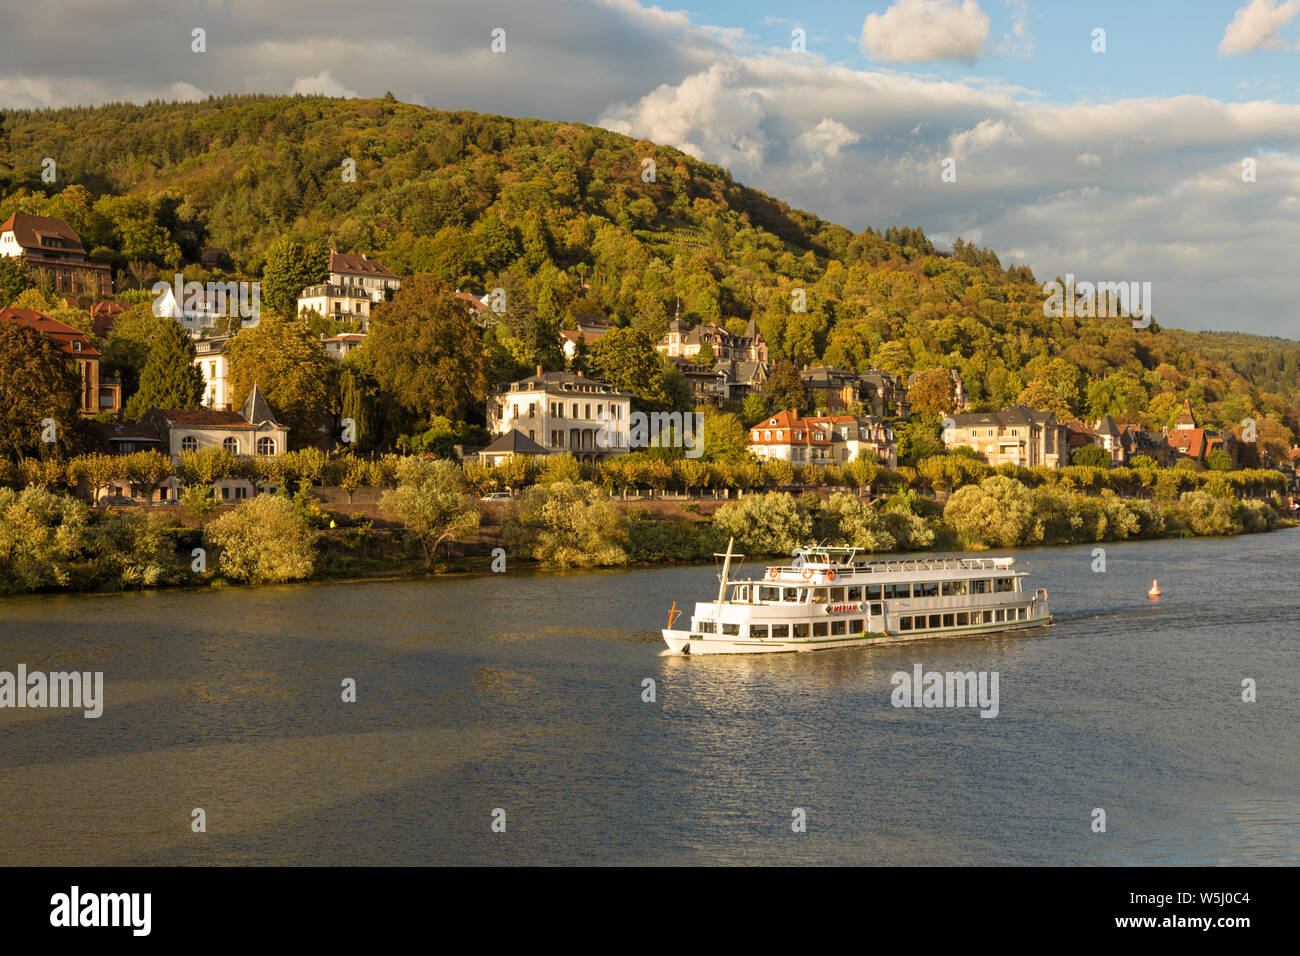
[684, 642]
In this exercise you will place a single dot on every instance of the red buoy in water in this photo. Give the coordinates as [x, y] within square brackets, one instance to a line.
[1155, 589]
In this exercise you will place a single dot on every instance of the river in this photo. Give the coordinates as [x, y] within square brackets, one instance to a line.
[523, 692]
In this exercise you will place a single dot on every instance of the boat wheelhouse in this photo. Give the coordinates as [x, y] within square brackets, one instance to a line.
[827, 598]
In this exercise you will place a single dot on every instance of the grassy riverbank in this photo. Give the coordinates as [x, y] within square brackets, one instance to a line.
[52, 542]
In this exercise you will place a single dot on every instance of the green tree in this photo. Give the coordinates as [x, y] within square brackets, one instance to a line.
[785, 389]
[774, 523]
[37, 383]
[169, 379]
[289, 268]
[1091, 456]
[14, 278]
[626, 359]
[431, 499]
[426, 353]
[567, 525]
[264, 540]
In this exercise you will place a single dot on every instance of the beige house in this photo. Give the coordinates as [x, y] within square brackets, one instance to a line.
[1016, 435]
[210, 355]
[355, 284]
[253, 430]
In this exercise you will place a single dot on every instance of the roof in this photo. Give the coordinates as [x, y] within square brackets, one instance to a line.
[474, 301]
[514, 443]
[588, 336]
[557, 381]
[257, 409]
[792, 429]
[104, 314]
[1011, 415]
[1192, 439]
[352, 264]
[126, 431]
[33, 232]
[66, 338]
[346, 337]
[204, 418]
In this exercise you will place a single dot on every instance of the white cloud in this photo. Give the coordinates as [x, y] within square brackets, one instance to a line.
[917, 31]
[1255, 25]
[322, 84]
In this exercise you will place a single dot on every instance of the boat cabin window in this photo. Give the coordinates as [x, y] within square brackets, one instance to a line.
[877, 610]
[898, 591]
[873, 592]
[758, 630]
[904, 623]
[855, 592]
[706, 627]
[780, 630]
[740, 594]
[731, 629]
[979, 587]
[766, 594]
[819, 629]
[819, 595]
[839, 628]
[1004, 584]
[855, 626]
[951, 588]
[837, 595]
[790, 595]
[927, 590]
[800, 630]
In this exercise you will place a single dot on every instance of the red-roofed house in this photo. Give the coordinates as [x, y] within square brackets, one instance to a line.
[253, 430]
[354, 285]
[49, 246]
[96, 396]
[787, 436]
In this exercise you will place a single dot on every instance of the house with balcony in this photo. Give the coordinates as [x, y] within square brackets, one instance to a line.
[1016, 435]
[683, 342]
[47, 245]
[564, 412]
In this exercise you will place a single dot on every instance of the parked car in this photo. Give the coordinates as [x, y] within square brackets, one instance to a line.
[170, 501]
[119, 501]
[497, 496]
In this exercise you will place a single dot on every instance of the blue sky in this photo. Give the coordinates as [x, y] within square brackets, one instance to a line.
[1153, 48]
[1128, 165]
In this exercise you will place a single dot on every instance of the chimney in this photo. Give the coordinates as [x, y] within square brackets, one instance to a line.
[539, 371]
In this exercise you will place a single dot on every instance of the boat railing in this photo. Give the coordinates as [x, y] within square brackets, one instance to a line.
[916, 564]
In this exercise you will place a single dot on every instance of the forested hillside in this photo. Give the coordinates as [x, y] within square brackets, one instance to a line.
[575, 217]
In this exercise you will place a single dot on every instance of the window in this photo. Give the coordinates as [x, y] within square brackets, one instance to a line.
[731, 630]
[800, 630]
[988, 617]
[873, 592]
[780, 630]
[225, 492]
[878, 610]
[838, 628]
[898, 591]
[532, 409]
[790, 595]
[241, 493]
[978, 587]
[766, 594]
[855, 593]
[231, 445]
[947, 620]
[904, 623]
[1021, 613]
[266, 446]
[588, 411]
[706, 627]
[819, 629]
[819, 595]
[212, 370]
[189, 443]
[575, 410]
[837, 595]
[1002, 615]
[920, 622]
[758, 630]
[963, 618]
[1004, 584]
[953, 587]
[936, 620]
[927, 590]
[855, 625]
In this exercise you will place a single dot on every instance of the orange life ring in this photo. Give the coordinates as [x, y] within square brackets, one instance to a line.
[773, 573]
[830, 575]
[807, 573]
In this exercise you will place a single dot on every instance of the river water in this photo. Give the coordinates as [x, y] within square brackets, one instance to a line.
[523, 693]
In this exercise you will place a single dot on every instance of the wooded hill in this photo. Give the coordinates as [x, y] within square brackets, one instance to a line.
[571, 212]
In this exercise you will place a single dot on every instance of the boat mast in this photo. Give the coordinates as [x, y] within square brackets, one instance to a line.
[726, 570]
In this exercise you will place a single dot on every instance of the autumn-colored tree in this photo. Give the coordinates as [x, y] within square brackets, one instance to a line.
[785, 389]
[932, 392]
[281, 357]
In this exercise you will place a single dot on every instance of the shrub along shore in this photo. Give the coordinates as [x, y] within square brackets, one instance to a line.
[52, 541]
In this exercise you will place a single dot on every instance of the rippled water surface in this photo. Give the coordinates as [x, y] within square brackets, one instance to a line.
[523, 692]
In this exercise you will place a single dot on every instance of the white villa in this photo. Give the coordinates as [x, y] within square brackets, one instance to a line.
[564, 412]
[355, 284]
[253, 430]
[210, 357]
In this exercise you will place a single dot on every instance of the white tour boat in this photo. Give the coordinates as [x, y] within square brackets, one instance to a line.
[827, 598]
